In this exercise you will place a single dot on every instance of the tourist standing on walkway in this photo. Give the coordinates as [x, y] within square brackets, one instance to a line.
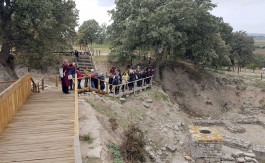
[110, 81]
[79, 75]
[65, 80]
[92, 78]
[116, 82]
[124, 81]
[77, 55]
[87, 75]
[71, 72]
[102, 79]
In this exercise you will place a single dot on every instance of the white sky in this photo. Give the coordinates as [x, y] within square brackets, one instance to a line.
[94, 9]
[247, 15]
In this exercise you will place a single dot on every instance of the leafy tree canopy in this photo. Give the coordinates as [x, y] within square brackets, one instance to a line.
[36, 28]
[173, 28]
[89, 32]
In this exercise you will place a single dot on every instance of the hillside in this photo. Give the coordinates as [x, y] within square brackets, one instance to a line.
[184, 96]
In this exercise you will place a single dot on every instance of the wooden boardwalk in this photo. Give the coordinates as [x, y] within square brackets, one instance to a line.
[42, 131]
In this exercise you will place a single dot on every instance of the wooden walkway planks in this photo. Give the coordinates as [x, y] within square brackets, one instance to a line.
[42, 131]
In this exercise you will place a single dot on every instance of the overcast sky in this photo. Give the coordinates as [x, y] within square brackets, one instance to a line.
[247, 15]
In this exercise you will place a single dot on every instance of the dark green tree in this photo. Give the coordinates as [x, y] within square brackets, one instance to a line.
[35, 28]
[168, 29]
[242, 48]
[89, 32]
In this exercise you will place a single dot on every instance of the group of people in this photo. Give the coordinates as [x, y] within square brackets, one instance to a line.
[128, 77]
[67, 74]
[97, 81]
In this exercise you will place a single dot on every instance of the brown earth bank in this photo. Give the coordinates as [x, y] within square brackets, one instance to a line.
[182, 96]
[207, 93]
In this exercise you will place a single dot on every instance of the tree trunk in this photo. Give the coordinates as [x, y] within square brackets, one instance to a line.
[4, 54]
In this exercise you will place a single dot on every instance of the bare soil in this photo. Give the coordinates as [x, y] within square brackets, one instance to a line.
[177, 100]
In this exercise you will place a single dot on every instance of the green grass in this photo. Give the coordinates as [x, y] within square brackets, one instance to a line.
[259, 84]
[260, 42]
[157, 95]
[104, 46]
[100, 58]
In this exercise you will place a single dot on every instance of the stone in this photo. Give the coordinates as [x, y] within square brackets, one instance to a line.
[248, 120]
[188, 158]
[171, 148]
[122, 100]
[250, 110]
[250, 160]
[146, 105]
[240, 160]
[259, 151]
[234, 128]
[208, 123]
[206, 143]
[242, 154]
[149, 100]
[236, 143]
[227, 157]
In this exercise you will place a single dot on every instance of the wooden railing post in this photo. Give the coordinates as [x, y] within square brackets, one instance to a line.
[74, 84]
[56, 80]
[76, 109]
[114, 91]
[98, 85]
[107, 87]
[42, 83]
[90, 81]
[151, 81]
[38, 87]
[133, 87]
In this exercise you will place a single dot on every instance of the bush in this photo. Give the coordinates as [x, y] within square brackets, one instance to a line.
[86, 138]
[114, 151]
[132, 148]
[114, 124]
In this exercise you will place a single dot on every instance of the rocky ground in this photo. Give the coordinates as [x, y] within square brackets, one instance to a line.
[230, 102]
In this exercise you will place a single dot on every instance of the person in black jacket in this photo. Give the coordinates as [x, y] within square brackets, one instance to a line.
[102, 84]
[139, 77]
[131, 79]
[116, 81]
[110, 82]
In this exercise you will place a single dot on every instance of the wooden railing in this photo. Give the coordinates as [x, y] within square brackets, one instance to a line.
[36, 85]
[145, 82]
[76, 108]
[12, 99]
[7, 82]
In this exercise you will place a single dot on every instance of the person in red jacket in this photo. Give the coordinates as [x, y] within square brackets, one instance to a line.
[65, 80]
[112, 70]
[79, 75]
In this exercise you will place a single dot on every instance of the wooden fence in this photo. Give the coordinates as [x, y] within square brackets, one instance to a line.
[12, 99]
[121, 89]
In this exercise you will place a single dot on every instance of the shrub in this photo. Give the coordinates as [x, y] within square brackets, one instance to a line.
[132, 148]
[86, 138]
[113, 122]
[114, 151]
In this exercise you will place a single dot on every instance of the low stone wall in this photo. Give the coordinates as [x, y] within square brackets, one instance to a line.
[259, 152]
[236, 143]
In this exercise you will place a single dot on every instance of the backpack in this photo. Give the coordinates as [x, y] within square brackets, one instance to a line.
[62, 74]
